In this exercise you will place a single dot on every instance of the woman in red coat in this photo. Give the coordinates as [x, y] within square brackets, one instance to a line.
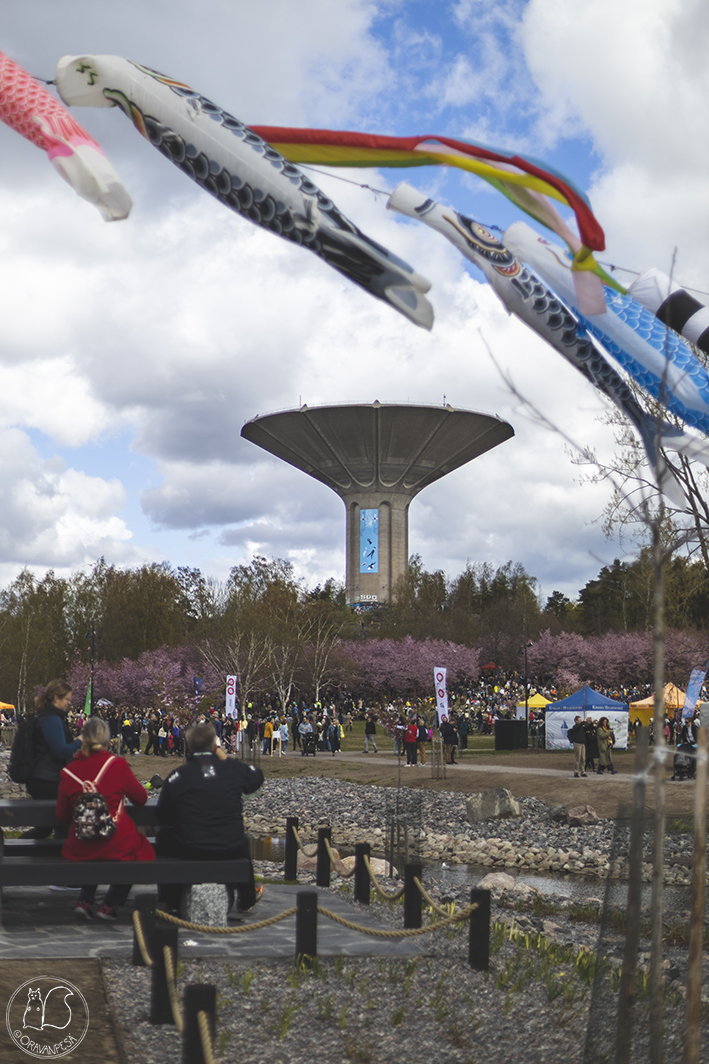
[411, 740]
[116, 783]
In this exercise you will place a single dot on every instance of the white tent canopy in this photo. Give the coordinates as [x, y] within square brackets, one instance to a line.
[587, 704]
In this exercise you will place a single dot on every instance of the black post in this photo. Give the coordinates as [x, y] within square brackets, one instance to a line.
[412, 896]
[291, 869]
[523, 650]
[361, 875]
[322, 875]
[479, 935]
[160, 1009]
[91, 637]
[145, 907]
[306, 925]
[199, 997]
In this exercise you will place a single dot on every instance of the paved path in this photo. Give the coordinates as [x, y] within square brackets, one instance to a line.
[41, 923]
[470, 766]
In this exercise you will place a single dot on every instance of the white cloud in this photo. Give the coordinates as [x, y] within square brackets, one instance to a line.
[50, 395]
[632, 74]
[53, 516]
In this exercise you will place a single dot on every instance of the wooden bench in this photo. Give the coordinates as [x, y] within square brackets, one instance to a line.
[38, 862]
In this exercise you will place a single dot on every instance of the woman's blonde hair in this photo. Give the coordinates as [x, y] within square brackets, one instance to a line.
[95, 736]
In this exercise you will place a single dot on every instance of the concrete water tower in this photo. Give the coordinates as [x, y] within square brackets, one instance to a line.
[377, 457]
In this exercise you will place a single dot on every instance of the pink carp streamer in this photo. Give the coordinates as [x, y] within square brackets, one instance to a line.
[30, 110]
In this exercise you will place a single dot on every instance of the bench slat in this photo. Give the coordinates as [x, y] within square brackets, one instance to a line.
[39, 812]
[40, 871]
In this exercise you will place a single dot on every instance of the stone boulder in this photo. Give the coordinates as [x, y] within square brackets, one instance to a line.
[492, 805]
[559, 814]
[308, 858]
[379, 867]
[497, 881]
[582, 815]
[501, 882]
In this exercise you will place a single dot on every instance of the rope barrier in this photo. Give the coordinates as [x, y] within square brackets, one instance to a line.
[409, 933]
[172, 989]
[463, 914]
[428, 899]
[334, 859]
[142, 944]
[205, 1036]
[206, 929]
[296, 836]
[382, 893]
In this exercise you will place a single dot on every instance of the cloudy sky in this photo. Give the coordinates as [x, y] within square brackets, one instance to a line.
[132, 353]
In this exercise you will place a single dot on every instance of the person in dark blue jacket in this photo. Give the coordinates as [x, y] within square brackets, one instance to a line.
[201, 814]
[54, 747]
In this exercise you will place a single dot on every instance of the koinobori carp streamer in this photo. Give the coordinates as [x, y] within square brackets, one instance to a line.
[30, 110]
[243, 172]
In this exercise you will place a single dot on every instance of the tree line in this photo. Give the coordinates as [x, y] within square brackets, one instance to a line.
[281, 638]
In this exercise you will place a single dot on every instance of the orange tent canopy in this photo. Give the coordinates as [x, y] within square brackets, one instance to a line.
[645, 709]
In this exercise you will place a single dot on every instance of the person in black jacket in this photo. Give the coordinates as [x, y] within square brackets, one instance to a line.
[54, 747]
[370, 730]
[450, 739]
[577, 736]
[153, 741]
[591, 744]
[200, 810]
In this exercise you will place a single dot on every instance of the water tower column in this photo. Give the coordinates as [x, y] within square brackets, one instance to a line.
[377, 545]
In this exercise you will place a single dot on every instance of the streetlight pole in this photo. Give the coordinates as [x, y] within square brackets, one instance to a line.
[524, 649]
[91, 637]
[526, 690]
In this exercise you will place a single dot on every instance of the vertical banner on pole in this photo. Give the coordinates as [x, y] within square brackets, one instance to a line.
[694, 688]
[439, 678]
[231, 696]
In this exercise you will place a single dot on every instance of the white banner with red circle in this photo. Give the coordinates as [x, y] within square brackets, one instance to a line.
[439, 679]
[231, 696]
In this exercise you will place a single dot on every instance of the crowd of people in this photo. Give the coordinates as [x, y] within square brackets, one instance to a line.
[199, 806]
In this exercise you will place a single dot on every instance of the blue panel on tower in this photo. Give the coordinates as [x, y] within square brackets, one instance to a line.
[369, 541]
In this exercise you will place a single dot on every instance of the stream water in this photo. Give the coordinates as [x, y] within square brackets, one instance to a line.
[576, 888]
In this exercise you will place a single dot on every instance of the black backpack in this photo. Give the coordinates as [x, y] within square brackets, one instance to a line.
[92, 817]
[23, 755]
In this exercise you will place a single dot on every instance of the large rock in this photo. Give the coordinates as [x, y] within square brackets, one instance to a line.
[308, 858]
[559, 814]
[581, 815]
[378, 865]
[205, 903]
[501, 882]
[497, 881]
[492, 805]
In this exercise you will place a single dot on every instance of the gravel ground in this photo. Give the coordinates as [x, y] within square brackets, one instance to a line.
[535, 1005]
[538, 841]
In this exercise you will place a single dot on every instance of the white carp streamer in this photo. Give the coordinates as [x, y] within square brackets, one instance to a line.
[243, 172]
